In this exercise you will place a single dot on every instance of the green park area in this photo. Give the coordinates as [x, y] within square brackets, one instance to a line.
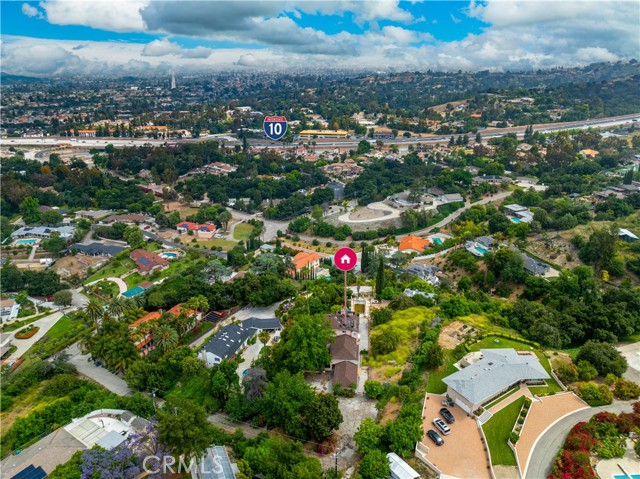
[114, 269]
[243, 231]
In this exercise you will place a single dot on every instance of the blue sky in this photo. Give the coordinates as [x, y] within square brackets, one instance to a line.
[59, 38]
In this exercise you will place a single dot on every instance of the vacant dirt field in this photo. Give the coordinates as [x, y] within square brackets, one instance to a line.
[78, 264]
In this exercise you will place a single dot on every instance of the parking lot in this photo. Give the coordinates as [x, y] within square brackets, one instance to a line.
[463, 454]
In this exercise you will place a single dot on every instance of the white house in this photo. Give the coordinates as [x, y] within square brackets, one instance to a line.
[400, 469]
[494, 373]
[9, 309]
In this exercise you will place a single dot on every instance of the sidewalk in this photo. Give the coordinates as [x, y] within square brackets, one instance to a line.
[45, 324]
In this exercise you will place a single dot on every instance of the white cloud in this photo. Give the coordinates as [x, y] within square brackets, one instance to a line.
[162, 47]
[31, 11]
[115, 15]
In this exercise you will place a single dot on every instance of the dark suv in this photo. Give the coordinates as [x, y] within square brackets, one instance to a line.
[446, 414]
[435, 437]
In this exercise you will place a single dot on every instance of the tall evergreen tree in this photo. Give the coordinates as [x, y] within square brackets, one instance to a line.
[380, 278]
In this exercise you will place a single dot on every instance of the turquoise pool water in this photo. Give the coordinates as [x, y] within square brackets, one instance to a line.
[26, 241]
[130, 293]
[480, 249]
[437, 240]
[169, 255]
[623, 476]
[516, 220]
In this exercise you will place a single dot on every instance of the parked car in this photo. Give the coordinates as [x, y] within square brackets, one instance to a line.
[435, 437]
[441, 426]
[446, 414]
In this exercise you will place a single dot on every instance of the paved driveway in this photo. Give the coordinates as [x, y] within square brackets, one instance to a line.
[45, 324]
[463, 454]
[100, 375]
[541, 415]
[632, 353]
[550, 441]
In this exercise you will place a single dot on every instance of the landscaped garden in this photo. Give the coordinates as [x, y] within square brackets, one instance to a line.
[497, 431]
[27, 332]
[114, 269]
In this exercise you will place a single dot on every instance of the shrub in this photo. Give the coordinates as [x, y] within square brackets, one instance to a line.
[513, 437]
[586, 371]
[626, 390]
[373, 389]
[612, 447]
[520, 420]
[595, 395]
[610, 379]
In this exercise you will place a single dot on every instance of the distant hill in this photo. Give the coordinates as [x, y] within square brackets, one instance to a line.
[8, 78]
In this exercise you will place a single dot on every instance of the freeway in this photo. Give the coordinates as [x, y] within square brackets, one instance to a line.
[321, 143]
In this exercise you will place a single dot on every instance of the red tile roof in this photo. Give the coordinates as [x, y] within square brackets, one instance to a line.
[147, 261]
[413, 243]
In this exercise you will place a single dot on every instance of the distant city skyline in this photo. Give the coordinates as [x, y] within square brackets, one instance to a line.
[67, 38]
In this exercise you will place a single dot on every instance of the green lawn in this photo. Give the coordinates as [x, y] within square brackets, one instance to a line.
[114, 269]
[133, 279]
[196, 388]
[243, 231]
[226, 245]
[66, 331]
[434, 383]
[497, 431]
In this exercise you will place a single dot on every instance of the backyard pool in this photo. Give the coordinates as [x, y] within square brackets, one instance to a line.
[481, 250]
[515, 220]
[26, 241]
[170, 254]
[437, 240]
[624, 476]
[130, 293]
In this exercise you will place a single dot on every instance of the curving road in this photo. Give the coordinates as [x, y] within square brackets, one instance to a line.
[550, 441]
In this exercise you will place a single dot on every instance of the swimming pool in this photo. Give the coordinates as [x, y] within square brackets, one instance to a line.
[516, 220]
[624, 476]
[130, 293]
[437, 240]
[169, 255]
[480, 249]
[26, 241]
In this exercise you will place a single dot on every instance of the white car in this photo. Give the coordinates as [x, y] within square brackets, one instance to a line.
[441, 426]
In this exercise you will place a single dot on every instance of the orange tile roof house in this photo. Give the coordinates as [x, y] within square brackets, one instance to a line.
[206, 230]
[147, 262]
[306, 260]
[145, 343]
[413, 244]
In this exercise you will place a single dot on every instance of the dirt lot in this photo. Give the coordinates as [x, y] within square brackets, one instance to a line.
[184, 210]
[78, 264]
[555, 249]
[453, 334]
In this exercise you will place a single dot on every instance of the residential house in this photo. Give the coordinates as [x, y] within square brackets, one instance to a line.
[413, 244]
[491, 179]
[206, 230]
[144, 343]
[410, 293]
[349, 326]
[66, 232]
[147, 262]
[106, 428]
[589, 153]
[5, 343]
[345, 358]
[9, 309]
[423, 271]
[480, 246]
[496, 371]
[518, 214]
[226, 343]
[97, 249]
[214, 464]
[131, 218]
[306, 264]
[451, 198]
[627, 235]
[534, 266]
[400, 469]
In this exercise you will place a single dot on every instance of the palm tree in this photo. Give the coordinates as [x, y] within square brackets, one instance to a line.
[94, 312]
[165, 338]
[117, 306]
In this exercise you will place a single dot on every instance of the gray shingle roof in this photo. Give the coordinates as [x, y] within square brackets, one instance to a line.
[497, 370]
[98, 249]
[261, 323]
[228, 340]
